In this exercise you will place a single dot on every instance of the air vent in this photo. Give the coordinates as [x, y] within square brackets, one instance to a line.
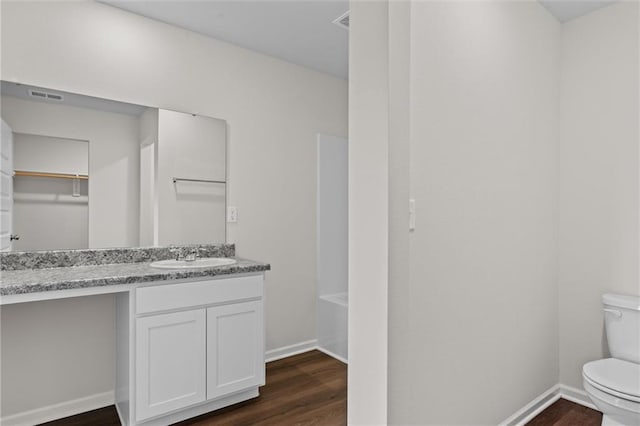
[45, 95]
[342, 20]
[37, 94]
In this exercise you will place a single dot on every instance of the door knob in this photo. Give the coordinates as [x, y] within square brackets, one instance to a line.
[14, 237]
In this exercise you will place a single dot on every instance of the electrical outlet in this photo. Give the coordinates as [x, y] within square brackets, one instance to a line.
[232, 214]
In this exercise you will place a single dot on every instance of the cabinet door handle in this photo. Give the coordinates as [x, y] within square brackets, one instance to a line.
[615, 312]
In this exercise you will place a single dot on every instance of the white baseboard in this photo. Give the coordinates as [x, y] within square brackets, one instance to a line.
[578, 396]
[532, 409]
[299, 348]
[58, 411]
[535, 407]
[287, 351]
[332, 355]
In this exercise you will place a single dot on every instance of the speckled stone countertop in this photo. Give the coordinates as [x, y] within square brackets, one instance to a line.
[130, 270]
[11, 261]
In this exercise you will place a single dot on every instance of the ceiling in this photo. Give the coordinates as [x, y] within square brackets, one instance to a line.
[565, 10]
[299, 31]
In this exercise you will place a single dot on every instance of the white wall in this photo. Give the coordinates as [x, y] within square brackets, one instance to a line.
[332, 211]
[368, 216]
[598, 177]
[113, 161]
[273, 110]
[41, 362]
[48, 154]
[400, 371]
[482, 302]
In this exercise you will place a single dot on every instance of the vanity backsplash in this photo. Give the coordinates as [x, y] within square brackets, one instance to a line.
[14, 261]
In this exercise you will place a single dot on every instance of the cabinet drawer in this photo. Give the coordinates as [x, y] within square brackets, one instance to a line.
[199, 293]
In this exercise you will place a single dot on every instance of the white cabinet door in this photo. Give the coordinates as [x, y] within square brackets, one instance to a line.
[6, 187]
[170, 362]
[235, 348]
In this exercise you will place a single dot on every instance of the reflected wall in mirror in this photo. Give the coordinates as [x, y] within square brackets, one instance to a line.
[50, 193]
[125, 194]
[183, 178]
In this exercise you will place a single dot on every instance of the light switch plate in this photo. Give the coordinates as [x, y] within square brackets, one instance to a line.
[412, 214]
[232, 214]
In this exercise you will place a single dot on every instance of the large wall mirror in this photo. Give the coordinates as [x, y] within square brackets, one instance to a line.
[83, 172]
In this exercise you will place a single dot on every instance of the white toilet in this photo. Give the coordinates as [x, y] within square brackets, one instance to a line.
[613, 384]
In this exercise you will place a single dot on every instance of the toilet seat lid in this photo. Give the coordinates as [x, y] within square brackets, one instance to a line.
[615, 374]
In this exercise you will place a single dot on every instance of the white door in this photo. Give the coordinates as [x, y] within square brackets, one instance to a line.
[235, 348]
[6, 187]
[170, 362]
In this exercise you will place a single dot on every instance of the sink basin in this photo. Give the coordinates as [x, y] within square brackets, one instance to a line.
[205, 262]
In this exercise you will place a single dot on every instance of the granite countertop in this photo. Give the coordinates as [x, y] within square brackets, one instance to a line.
[71, 277]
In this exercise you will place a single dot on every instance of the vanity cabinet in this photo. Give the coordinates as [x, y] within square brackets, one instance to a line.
[170, 362]
[193, 347]
[235, 348]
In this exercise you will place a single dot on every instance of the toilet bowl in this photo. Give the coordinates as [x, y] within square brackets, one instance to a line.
[614, 387]
[613, 384]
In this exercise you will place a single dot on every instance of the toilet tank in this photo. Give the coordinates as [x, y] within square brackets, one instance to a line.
[622, 322]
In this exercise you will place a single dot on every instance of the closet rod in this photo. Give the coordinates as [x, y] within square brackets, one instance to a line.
[177, 179]
[50, 175]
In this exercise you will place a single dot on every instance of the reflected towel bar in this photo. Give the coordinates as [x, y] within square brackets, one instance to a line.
[175, 179]
[49, 175]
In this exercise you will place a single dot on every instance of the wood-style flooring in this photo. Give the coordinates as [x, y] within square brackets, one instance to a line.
[311, 389]
[567, 413]
[306, 389]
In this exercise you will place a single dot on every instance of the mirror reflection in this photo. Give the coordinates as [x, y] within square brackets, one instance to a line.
[50, 193]
[84, 172]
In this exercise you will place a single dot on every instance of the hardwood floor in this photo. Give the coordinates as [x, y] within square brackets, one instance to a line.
[306, 389]
[311, 389]
[567, 413]
[106, 416]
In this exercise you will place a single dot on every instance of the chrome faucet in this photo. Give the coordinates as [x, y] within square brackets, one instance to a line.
[178, 252]
[192, 256]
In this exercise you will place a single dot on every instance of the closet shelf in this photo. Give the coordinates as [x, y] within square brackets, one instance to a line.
[49, 175]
